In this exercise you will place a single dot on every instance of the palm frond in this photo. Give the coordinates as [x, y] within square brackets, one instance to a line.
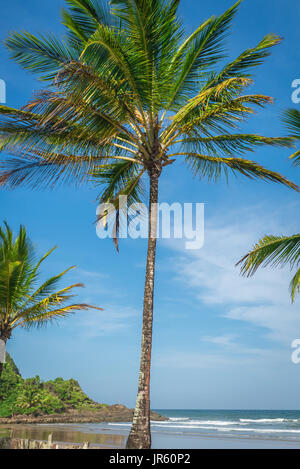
[214, 168]
[122, 186]
[246, 61]
[295, 285]
[120, 62]
[154, 30]
[201, 50]
[229, 144]
[291, 118]
[43, 55]
[272, 250]
[40, 316]
[82, 19]
[93, 88]
[40, 169]
[217, 116]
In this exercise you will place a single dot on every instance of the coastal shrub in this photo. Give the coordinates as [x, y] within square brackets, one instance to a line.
[32, 396]
[38, 402]
[10, 379]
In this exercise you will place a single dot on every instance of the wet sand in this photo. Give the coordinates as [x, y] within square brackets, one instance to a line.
[105, 437]
[213, 442]
[64, 434]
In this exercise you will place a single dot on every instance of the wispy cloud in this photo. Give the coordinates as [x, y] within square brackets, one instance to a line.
[212, 278]
[227, 340]
[117, 315]
[91, 274]
[241, 356]
[114, 319]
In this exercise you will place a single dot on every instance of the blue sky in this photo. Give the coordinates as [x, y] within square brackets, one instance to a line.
[220, 341]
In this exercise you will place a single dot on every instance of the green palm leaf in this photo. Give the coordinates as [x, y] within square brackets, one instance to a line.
[274, 251]
[200, 51]
[295, 285]
[121, 179]
[82, 19]
[43, 55]
[213, 168]
[250, 58]
[291, 118]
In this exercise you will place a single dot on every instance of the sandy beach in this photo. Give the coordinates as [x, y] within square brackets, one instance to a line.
[104, 437]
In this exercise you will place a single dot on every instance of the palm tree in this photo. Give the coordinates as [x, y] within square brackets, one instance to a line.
[279, 250]
[129, 94]
[22, 302]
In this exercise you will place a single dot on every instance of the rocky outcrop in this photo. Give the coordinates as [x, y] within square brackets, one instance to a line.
[114, 413]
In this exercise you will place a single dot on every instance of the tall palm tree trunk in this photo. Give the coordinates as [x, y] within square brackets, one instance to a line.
[140, 435]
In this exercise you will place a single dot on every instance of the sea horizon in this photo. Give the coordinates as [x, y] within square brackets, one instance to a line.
[157, 409]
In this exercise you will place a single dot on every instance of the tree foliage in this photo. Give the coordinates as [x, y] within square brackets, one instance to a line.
[32, 396]
[129, 90]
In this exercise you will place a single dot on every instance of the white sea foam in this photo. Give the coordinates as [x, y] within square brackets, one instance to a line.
[268, 420]
[229, 429]
[260, 430]
[199, 422]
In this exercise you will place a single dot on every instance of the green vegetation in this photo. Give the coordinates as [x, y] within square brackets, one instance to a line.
[31, 396]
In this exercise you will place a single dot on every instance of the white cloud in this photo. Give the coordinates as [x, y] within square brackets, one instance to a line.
[281, 320]
[220, 340]
[212, 278]
[91, 274]
[110, 321]
[240, 356]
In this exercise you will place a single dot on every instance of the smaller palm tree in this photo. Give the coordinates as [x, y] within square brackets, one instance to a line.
[279, 250]
[22, 302]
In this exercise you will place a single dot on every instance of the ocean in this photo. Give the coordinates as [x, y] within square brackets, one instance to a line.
[224, 428]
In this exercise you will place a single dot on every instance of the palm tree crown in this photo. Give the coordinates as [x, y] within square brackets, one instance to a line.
[129, 92]
[22, 302]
